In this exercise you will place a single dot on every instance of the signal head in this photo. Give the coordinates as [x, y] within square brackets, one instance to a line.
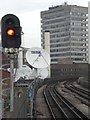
[10, 31]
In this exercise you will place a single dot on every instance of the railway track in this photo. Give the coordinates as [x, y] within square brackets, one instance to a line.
[81, 92]
[60, 107]
[54, 107]
[86, 92]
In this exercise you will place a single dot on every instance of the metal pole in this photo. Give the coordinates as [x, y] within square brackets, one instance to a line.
[1, 107]
[11, 82]
[1, 88]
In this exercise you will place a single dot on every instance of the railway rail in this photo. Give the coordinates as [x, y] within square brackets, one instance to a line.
[87, 92]
[56, 112]
[81, 92]
[60, 107]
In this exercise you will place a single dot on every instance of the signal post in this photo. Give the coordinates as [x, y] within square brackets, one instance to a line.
[11, 41]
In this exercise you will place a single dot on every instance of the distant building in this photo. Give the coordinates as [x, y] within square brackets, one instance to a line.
[68, 26]
[89, 32]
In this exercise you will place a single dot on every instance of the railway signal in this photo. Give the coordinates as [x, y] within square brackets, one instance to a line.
[10, 31]
[11, 41]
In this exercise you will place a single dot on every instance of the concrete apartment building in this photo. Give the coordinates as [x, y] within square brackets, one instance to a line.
[68, 26]
[89, 32]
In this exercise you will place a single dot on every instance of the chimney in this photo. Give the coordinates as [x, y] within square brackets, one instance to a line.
[47, 48]
[20, 58]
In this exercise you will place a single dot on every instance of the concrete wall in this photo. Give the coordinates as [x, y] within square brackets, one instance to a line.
[84, 82]
[59, 71]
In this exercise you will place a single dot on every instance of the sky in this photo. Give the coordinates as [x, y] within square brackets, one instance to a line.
[28, 12]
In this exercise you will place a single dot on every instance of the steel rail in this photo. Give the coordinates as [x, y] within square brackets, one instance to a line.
[77, 111]
[68, 110]
[82, 90]
[69, 87]
[55, 109]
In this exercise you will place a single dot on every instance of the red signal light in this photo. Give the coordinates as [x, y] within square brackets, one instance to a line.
[10, 32]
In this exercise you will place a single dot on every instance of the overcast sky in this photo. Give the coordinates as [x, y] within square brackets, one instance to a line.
[28, 11]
